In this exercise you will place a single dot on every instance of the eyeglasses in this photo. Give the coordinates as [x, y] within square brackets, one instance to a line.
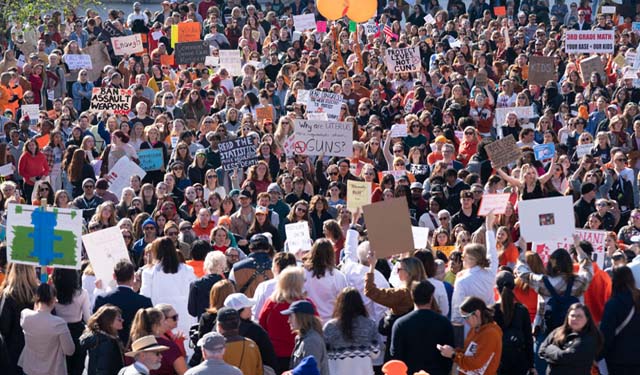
[88, 187]
[467, 316]
[300, 209]
[44, 189]
[333, 173]
[149, 228]
[469, 133]
[172, 233]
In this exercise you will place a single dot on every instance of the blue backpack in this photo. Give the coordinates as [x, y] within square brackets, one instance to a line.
[557, 306]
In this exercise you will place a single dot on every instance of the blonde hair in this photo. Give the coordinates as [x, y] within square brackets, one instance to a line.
[20, 283]
[289, 286]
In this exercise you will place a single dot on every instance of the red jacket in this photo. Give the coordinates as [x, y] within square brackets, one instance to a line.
[32, 166]
[277, 327]
[598, 293]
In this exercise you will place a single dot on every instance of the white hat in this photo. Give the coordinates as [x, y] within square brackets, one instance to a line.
[238, 301]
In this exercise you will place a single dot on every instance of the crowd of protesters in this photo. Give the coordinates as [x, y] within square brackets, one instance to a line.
[212, 286]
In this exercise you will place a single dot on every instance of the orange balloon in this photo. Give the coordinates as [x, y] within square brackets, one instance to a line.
[362, 10]
[331, 9]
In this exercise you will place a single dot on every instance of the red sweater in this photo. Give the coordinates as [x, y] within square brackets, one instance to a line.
[598, 293]
[277, 327]
[32, 166]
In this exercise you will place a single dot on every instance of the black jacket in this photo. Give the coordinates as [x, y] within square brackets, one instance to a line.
[574, 357]
[128, 301]
[620, 349]
[253, 331]
[11, 331]
[105, 353]
[199, 294]
[517, 340]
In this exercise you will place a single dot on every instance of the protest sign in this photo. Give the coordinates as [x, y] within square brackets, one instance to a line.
[317, 116]
[429, 19]
[264, 113]
[420, 237]
[446, 250]
[31, 110]
[389, 237]
[493, 202]
[331, 138]
[544, 151]
[370, 28]
[43, 140]
[403, 60]
[127, 45]
[167, 60]
[112, 100]
[585, 149]
[105, 249]
[591, 65]
[521, 112]
[298, 237]
[118, 177]
[109, 31]
[75, 62]
[212, 61]
[321, 26]
[151, 159]
[597, 238]
[188, 53]
[608, 9]
[503, 151]
[321, 101]
[43, 236]
[541, 70]
[398, 130]
[304, 22]
[358, 194]
[188, 32]
[500, 11]
[589, 41]
[7, 170]
[156, 35]
[238, 153]
[546, 219]
[231, 61]
[635, 26]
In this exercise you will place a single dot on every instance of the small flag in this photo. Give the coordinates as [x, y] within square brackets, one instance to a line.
[352, 26]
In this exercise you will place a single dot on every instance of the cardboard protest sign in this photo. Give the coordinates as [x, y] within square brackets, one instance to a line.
[589, 41]
[521, 112]
[75, 62]
[151, 159]
[238, 153]
[105, 249]
[403, 60]
[127, 45]
[187, 53]
[189, 32]
[370, 28]
[358, 194]
[591, 65]
[544, 151]
[398, 130]
[597, 238]
[112, 100]
[44, 236]
[119, 176]
[546, 219]
[541, 70]
[304, 22]
[493, 202]
[503, 152]
[584, 149]
[298, 237]
[231, 61]
[420, 237]
[264, 113]
[389, 237]
[212, 61]
[331, 138]
[321, 101]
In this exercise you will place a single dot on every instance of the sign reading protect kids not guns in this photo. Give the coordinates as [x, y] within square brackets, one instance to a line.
[402, 60]
[112, 100]
[42, 236]
[594, 41]
[331, 138]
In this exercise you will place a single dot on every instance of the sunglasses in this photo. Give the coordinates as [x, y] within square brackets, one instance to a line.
[174, 318]
[172, 233]
[467, 316]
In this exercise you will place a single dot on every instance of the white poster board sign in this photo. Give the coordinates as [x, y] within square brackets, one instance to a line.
[321, 102]
[589, 41]
[420, 237]
[118, 177]
[403, 60]
[597, 238]
[298, 237]
[585, 149]
[75, 62]
[521, 112]
[493, 202]
[546, 219]
[127, 45]
[230, 60]
[331, 138]
[304, 22]
[105, 249]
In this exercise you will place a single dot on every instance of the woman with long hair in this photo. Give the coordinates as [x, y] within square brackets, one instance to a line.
[42, 191]
[32, 166]
[212, 184]
[47, 337]
[101, 341]
[196, 171]
[524, 294]
[53, 151]
[260, 176]
[351, 337]
[168, 280]
[319, 214]
[218, 293]
[153, 141]
[152, 322]
[572, 347]
[105, 216]
[620, 325]
[262, 224]
[483, 345]
[79, 170]
[194, 108]
[289, 289]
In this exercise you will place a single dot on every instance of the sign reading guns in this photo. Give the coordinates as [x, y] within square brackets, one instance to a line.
[401, 60]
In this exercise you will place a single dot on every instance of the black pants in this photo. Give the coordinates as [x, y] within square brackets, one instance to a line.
[75, 362]
[282, 364]
[623, 369]
[28, 190]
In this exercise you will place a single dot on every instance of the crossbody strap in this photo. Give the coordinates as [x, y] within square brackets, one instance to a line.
[621, 326]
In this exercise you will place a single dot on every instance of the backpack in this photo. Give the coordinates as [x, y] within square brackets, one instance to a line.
[557, 306]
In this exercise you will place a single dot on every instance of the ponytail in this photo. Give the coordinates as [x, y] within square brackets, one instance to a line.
[507, 305]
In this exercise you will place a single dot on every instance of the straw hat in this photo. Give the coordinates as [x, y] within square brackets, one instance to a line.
[145, 344]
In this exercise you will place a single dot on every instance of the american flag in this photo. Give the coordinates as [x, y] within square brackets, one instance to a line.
[386, 30]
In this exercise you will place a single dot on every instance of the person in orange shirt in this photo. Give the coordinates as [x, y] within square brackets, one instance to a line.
[15, 93]
[507, 251]
[436, 154]
[5, 92]
[199, 250]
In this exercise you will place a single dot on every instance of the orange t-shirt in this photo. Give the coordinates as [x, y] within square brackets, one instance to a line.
[509, 255]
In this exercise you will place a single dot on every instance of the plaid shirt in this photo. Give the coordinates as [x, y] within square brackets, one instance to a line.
[48, 153]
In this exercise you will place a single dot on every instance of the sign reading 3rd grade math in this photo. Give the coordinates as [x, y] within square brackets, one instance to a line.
[112, 100]
[594, 41]
[238, 153]
[331, 138]
[401, 60]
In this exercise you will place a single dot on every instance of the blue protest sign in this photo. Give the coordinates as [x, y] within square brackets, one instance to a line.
[151, 159]
[544, 151]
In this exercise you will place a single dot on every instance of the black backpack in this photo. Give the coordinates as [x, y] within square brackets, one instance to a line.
[557, 306]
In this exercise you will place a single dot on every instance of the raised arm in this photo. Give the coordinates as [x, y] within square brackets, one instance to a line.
[511, 180]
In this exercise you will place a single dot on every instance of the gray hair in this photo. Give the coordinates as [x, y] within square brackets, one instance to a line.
[363, 251]
[215, 262]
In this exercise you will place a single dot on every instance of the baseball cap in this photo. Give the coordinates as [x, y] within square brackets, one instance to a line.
[259, 241]
[587, 188]
[262, 210]
[137, 5]
[228, 316]
[302, 306]
[245, 194]
[416, 185]
[238, 301]
[441, 139]
[274, 188]
[212, 341]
